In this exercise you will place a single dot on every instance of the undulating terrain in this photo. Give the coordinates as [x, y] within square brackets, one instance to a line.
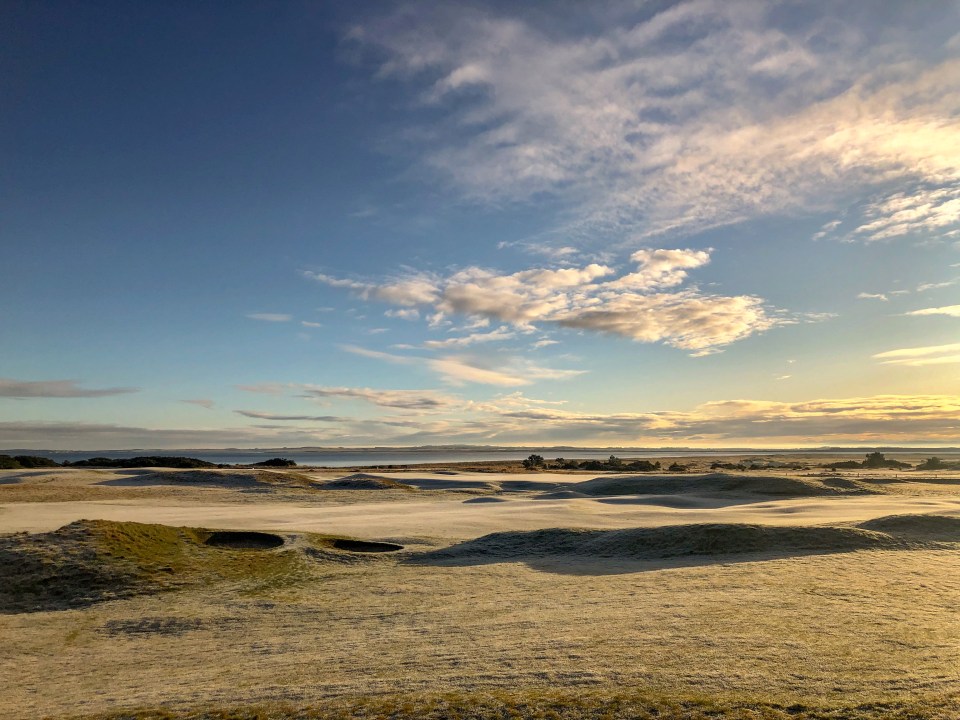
[304, 593]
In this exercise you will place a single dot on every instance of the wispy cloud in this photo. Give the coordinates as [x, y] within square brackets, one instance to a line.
[415, 289]
[951, 310]
[919, 212]
[462, 369]
[202, 402]
[921, 356]
[11, 388]
[270, 317]
[379, 355]
[500, 334]
[403, 399]
[872, 296]
[703, 114]
[289, 418]
[264, 388]
[458, 370]
[644, 304]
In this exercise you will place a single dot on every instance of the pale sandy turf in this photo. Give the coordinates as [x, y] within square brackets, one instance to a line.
[787, 626]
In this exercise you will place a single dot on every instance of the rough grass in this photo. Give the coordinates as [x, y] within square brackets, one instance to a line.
[91, 561]
[721, 483]
[902, 532]
[362, 481]
[539, 705]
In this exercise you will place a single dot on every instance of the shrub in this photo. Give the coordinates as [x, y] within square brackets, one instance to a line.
[34, 461]
[276, 462]
[534, 461]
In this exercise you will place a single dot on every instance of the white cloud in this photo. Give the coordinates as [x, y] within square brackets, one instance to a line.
[911, 213]
[270, 317]
[700, 115]
[950, 310]
[202, 402]
[22, 389]
[408, 291]
[500, 334]
[661, 268]
[872, 296]
[921, 356]
[311, 324]
[459, 371]
[586, 298]
[404, 314]
[378, 355]
[924, 287]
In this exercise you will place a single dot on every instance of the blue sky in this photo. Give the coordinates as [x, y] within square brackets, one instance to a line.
[697, 223]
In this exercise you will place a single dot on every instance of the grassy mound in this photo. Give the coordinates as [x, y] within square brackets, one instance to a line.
[362, 481]
[91, 561]
[673, 541]
[716, 483]
[922, 527]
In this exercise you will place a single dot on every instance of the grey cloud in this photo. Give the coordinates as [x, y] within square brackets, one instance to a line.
[272, 416]
[55, 389]
[202, 402]
[403, 399]
[270, 317]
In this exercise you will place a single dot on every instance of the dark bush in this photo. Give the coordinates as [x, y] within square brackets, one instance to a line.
[276, 462]
[34, 461]
[534, 461]
[8, 463]
[180, 463]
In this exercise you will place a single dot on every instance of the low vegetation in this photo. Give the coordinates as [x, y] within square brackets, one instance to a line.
[276, 462]
[557, 705]
[142, 461]
[873, 461]
[536, 462]
[21, 462]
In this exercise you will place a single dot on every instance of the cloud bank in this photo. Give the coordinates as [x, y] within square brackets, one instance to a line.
[702, 114]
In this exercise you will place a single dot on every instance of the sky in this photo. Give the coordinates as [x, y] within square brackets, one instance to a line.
[712, 223]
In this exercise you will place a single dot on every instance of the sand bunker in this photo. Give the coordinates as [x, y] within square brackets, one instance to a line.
[720, 483]
[364, 546]
[244, 540]
[362, 481]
